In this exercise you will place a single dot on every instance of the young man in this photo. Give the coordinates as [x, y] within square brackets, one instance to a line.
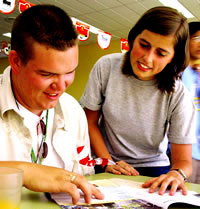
[43, 129]
[191, 79]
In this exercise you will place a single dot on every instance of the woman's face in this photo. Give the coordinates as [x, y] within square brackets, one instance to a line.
[150, 54]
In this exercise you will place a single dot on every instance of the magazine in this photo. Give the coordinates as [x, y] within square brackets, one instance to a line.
[120, 193]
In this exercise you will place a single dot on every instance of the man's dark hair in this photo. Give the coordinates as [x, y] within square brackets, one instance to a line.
[194, 27]
[44, 24]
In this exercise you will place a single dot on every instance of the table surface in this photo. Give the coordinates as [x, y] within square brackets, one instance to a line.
[37, 200]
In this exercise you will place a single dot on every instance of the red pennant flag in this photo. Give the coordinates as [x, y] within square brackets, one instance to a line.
[3, 44]
[124, 45]
[103, 39]
[83, 30]
[7, 6]
[5, 47]
[23, 5]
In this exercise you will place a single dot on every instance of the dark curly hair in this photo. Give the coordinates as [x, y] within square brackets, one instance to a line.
[164, 21]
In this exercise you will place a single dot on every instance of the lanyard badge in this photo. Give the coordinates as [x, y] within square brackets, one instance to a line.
[43, 148]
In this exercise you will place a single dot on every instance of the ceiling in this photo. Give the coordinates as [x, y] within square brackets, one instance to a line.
[113, 16]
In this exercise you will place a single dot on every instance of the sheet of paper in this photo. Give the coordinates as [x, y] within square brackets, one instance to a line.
[116, 190]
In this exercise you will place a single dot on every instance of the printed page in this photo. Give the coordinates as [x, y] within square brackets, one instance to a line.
[117, 190]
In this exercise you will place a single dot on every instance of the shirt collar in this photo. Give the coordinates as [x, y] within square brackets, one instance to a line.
[7, 99]
[8, 102]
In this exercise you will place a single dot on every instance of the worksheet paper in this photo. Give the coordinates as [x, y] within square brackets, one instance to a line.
[120, 193]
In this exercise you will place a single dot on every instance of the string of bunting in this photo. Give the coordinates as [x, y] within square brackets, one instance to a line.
[103, 38]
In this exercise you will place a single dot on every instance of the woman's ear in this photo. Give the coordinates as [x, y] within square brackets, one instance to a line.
[14, 61]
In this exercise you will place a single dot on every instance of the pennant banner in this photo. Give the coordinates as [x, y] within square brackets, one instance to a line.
[7, 6]
[23, 5]
[5, 47]
[83, 30]
[103, 39]
[124, 45]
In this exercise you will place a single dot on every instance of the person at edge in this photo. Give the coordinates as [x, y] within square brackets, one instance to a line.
[136, 102]
[42, 127]
[191, 79]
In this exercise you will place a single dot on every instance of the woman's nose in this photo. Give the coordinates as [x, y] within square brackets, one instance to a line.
[148, 57]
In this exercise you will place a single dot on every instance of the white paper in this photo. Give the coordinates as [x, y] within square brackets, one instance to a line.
[116, 190]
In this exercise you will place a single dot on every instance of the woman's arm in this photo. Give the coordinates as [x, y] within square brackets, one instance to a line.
[99, 147]
[96, 138]
[181, 157]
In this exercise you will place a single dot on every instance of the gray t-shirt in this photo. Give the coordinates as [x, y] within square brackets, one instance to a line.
[136, 115]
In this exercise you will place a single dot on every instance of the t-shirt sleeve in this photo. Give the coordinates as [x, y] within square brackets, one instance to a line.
[93, 96]
[182, 121]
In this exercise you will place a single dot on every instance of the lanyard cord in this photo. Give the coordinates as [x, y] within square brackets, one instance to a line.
[33, 157]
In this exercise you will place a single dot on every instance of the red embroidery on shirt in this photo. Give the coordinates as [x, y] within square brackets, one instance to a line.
[83, 154]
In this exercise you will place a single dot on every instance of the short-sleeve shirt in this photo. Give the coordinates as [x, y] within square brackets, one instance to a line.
[137, 118]
[191, 80]
[70, 132]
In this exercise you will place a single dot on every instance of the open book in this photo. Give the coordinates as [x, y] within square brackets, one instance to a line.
[120, 193]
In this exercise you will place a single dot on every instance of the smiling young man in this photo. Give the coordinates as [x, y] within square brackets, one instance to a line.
[41, 126]
[39, 84]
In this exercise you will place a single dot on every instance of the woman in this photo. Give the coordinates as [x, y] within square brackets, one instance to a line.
[141, 103]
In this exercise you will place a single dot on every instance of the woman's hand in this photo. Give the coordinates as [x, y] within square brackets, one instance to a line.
[172, 181]
[122, 167]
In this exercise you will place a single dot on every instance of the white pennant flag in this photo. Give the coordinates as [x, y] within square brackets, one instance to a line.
[7, 6]
[103, 39]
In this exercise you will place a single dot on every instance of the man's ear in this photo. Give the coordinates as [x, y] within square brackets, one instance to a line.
[14, 61]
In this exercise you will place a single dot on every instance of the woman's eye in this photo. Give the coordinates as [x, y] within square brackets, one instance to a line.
[161, 54]
[144, 45]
